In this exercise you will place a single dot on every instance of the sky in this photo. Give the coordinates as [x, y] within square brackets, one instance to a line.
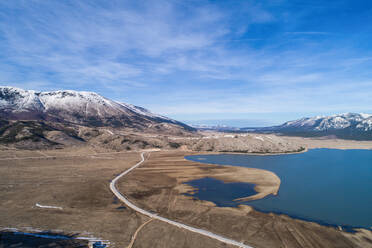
[237, 63]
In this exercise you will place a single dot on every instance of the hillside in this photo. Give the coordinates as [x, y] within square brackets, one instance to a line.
[42, 120]
[81, 108]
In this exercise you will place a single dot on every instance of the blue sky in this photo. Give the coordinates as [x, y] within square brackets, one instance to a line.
[245, 63]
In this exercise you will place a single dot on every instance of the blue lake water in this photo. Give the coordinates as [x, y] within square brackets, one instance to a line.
[222, 194]
[325, 185]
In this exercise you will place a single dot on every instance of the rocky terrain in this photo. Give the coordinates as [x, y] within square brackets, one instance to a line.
[51, 135]
[237, 142]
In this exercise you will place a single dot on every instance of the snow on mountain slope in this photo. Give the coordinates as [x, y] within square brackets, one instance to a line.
[143, 111]
[18, 100]
[334, 122]
[345, 126]
[78, 107]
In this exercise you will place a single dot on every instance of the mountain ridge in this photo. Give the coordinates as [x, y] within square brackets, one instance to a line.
[77, 107]
[356, 126]
[353, 126]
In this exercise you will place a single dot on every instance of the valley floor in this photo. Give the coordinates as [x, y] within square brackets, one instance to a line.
[77, 180]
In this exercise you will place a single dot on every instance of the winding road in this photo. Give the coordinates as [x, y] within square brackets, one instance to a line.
[155, 216]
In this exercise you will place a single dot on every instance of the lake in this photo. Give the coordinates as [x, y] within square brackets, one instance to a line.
[328, 186]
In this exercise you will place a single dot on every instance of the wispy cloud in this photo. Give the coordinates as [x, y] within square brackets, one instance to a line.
[99, 42]
[184, 57]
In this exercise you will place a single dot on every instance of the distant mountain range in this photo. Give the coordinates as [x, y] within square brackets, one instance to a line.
[78, 107]
[361, 122]
[219, 128]
[346, 126]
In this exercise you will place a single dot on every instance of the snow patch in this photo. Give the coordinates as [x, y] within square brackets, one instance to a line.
[229, 136]
[109, 131]
[46, 206]
[259, 138]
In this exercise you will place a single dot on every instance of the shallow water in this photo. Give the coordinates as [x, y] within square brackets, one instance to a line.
[325, 185]
[222, 194]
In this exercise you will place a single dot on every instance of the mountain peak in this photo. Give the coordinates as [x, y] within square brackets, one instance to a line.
[345, 125]
[78, 107]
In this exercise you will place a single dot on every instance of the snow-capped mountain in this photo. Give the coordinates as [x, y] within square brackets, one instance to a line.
[362, 122]
[77, 107]
[348, 125]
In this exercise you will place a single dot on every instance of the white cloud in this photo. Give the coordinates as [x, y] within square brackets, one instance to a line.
[193, 51]
[104, 44]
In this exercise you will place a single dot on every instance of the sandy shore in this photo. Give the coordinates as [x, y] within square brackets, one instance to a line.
[266, 182]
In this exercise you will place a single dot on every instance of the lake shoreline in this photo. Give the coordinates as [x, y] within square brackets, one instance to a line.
[261, 153]
[262, 192]
[166, 172]
[249, 199]
[345, 228]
